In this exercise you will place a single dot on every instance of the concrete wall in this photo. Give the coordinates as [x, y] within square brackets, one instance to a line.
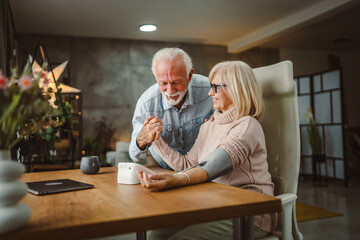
[113, 73]
[309, 62]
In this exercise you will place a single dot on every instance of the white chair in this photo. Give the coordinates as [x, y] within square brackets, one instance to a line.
[280, 123]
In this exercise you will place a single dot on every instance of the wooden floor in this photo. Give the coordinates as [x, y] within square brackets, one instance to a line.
[334, 197]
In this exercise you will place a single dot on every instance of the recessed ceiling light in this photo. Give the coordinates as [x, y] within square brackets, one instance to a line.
[148, 27]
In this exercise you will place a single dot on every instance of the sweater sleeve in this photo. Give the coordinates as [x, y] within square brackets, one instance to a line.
[174, 159]
[243, 140]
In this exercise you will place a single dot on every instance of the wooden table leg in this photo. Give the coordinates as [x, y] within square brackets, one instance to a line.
[248, 222]
[243, 228]
[141, 235]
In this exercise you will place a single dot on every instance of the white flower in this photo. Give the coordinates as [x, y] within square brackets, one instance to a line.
[26, 82]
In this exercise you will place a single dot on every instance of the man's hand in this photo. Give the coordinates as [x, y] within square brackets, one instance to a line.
[150, 132]
[211, 118]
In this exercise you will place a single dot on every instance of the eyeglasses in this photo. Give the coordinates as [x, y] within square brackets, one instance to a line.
[214, 87]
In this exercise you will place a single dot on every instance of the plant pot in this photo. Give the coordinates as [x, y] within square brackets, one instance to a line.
[318, 178]
[13, 214]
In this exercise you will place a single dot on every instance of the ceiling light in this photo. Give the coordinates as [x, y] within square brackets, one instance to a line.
[147, 28]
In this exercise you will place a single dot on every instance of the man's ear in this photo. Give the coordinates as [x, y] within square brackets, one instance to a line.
[191, 74]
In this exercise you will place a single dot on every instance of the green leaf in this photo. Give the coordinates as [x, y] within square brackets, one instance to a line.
[49, 130]
[15, 101]
[47, 137]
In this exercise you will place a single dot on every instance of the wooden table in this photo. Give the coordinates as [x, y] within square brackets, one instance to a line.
[110, 208]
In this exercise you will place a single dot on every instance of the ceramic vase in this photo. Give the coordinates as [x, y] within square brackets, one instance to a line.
[13, 213]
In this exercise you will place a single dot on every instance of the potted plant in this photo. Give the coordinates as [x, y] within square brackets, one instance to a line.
[317, 147]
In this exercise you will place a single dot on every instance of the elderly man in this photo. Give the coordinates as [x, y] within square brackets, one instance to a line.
[180, 99]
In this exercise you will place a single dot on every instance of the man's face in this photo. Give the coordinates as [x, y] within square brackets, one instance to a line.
[172, 79]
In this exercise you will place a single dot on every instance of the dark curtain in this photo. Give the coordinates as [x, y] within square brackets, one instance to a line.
[8, 57]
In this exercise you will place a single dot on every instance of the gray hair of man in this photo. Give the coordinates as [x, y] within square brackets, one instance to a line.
[170, 54]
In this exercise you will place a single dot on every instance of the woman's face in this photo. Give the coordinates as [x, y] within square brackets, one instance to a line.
[221, 101]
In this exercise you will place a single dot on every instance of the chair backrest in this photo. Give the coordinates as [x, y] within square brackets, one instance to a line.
[280, 123]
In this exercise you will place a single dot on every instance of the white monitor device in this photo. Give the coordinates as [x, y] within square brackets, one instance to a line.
[127, 172]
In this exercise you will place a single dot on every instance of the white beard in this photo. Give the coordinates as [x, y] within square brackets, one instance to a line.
[174, 102]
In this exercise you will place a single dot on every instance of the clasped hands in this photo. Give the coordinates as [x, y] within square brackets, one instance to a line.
[150, 132]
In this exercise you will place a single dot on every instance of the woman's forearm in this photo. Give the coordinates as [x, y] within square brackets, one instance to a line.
[196, 175]
[174, 159]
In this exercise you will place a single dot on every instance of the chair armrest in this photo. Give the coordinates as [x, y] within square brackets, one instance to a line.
[288, 204]
[287, 197]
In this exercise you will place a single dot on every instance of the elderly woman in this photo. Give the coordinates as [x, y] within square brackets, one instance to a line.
[229, 150]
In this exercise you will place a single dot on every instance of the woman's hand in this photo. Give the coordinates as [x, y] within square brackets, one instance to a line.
[161, 181]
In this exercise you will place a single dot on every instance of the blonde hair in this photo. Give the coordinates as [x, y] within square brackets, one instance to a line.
[242, 87]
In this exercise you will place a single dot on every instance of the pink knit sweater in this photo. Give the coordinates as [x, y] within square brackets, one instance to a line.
[244, 141]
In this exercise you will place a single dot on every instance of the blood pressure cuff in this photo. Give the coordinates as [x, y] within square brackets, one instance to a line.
[217, 164]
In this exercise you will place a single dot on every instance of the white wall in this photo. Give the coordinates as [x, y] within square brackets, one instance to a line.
[310, 61]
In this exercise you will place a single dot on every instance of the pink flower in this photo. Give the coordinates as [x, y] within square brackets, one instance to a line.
[26, 82]
[4, 81]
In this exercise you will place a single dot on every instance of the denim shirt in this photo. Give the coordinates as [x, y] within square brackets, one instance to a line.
[180, 127]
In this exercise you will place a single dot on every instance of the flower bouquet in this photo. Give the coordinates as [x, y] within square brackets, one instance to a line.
[25, 108]
[25, 111]
[19, 98]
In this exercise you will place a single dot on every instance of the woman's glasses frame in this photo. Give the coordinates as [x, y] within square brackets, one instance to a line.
[215, 87]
